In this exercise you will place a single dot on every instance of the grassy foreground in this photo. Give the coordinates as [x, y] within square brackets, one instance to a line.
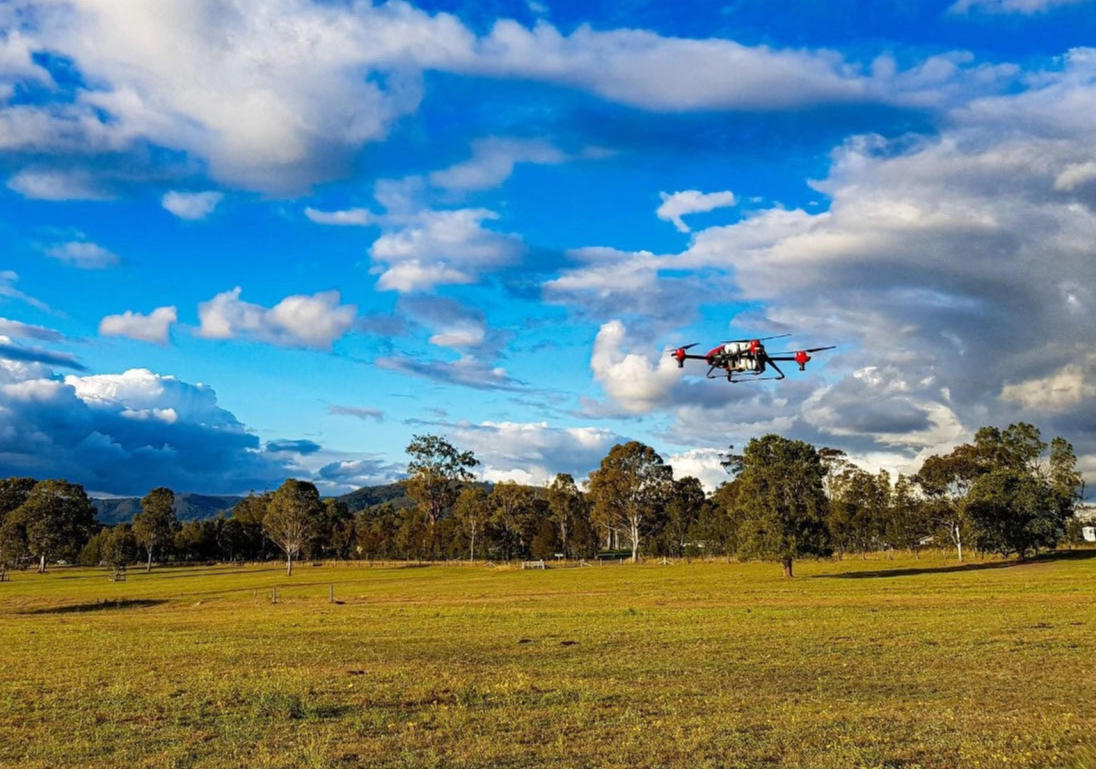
[877, 663]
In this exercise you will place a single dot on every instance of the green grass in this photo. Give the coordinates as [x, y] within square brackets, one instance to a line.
[871, 663]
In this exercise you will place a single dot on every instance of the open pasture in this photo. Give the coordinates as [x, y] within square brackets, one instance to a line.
[876, 663]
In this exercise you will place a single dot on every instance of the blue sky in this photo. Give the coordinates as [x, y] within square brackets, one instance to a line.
[249, 240]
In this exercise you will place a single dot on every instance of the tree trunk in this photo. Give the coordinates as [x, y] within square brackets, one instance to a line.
[959, 542]
[472, 552]
[289, 564]
[787, 564]
[148, 566]
[635, 539]
[42, 564]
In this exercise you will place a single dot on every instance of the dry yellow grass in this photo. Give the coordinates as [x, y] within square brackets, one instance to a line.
[877, 663]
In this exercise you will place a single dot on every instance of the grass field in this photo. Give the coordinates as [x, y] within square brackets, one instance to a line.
[876, 663]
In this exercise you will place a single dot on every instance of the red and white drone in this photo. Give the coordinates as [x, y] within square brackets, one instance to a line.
[746, 358]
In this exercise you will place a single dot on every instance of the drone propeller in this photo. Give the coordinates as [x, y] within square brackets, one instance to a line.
[683, 347]
[810, 350]
[759, 339]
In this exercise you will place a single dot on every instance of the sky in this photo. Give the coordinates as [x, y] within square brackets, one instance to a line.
[246, 240]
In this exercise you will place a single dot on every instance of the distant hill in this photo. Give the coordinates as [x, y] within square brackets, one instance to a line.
[367, 496]
[188, 507]
[196, 507]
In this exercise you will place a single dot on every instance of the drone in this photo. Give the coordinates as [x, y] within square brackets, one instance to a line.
[746, 359]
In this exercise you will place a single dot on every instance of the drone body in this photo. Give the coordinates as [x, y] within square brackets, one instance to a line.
[746, 359]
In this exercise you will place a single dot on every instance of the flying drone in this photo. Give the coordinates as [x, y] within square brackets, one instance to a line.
[746, 359]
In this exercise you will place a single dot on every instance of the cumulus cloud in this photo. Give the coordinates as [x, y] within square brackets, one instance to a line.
[154, 327]
[344, 475]
[631, 379]
[702, 464]
[954, 272]
[83, 254]
[301, 320]
[1062, 390]
[608, 284]
[191, 205]
[277, 95]
[679, 204]
[125, 433]
[533, 452]
[432, 248]
[493, 160]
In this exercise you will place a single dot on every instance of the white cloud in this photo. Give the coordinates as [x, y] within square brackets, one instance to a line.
[8, 290]
[361, 412]
[351, 217]
[154, 327]
[191, 205]
[533, 452]
[430, 248]
[125, 433]
[29, 331]
[676, 205]
[1065, 389]
[1026, 7]
[56, 185]
[83, 254]
[277, 95]
[300, 320]
[702, 464]
[631, 379]
[493, 160]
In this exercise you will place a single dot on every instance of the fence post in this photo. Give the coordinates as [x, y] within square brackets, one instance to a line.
[275, 599]
[331, 593]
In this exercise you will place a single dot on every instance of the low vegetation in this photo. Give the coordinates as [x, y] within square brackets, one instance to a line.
[914, 663]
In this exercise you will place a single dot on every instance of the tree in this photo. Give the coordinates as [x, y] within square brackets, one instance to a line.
[1015, 512]
[1067, 483]
[566, 504]
[512, 515]
[57, 518]
[784, 505]
[945, 481]
[155, 525]
[118, 548]
[249, 512]
[858, 508]
[13, 535]
[471, 511]
[545, 542]
[292, 515]
[629, 488]
[436, 474]
[907, 519]
[683, 510]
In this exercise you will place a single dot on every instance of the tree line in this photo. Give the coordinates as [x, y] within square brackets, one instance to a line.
[1007, 492]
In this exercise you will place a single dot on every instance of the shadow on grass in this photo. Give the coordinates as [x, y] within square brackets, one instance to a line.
[1065, 555]
[130, 603]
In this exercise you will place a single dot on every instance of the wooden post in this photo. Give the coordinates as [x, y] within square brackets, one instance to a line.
[331, 593]
[275, 599]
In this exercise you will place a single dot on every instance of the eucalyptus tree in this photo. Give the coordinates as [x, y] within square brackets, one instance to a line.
[435, 476]
[57, 518]
[472, 510]
[630, 488]
[154, 527]
[292, 515]
[783, 502]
